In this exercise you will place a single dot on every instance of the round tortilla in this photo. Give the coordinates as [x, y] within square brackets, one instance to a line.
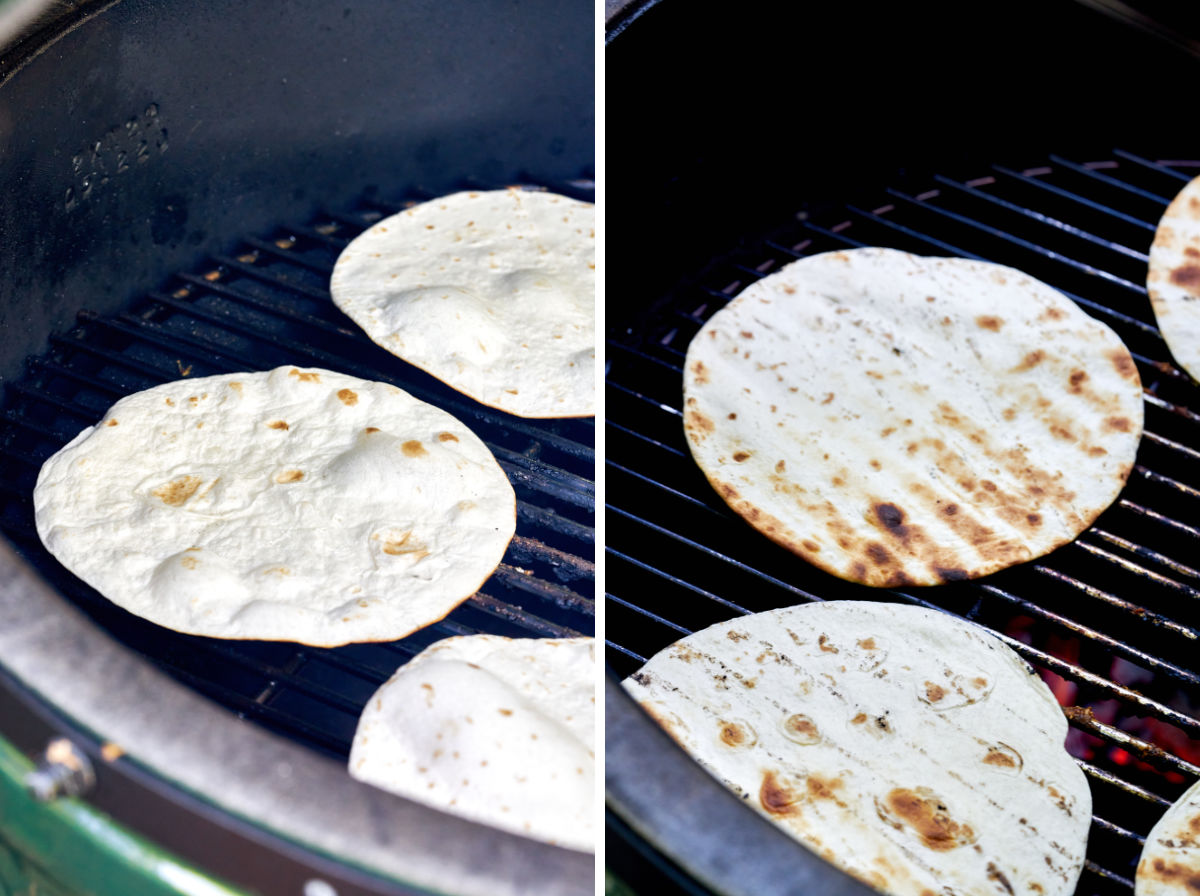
[497, 730]
[1173, 277]
[491, 292]
[298, 505]
[910, 748]
[1170, 862]
[900, 420]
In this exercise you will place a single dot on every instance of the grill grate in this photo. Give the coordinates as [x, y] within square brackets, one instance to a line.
[1111, 621]
[263, 305]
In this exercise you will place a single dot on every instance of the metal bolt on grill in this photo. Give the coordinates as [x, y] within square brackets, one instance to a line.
[1111, 621]
[264, 304]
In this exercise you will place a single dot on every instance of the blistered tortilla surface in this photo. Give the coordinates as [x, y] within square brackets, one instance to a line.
[295, 504]
[902, 420]
[497, 730]
[912, 749]
[1170, 861]
[1173, 277]
[492, 292]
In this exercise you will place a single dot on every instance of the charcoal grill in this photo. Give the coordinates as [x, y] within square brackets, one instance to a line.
[178, 183]
[1110, 621]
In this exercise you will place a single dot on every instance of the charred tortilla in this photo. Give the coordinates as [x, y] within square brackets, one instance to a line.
[1170, 862]
[901, 420]
[911, 748]
[296, 504]
[492, 292]
[1173, 277]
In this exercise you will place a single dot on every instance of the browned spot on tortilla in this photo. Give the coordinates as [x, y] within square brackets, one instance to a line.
[776, 797]
[235, 386]
[1001, 758]
[951, 573]
[998, 876]
[1186, 276]
[810, 546]
[178, 490]
[1174, 873]
[189, 562]
[878, 554]
[1053, 313]
[859, 719]
[405, 544]
[111, 422]
[504, 712]
[305, 376]
[1077, 379]
[447, 437]
[828, 398]
[289, 476]
[413, 448]
[802, 727]
[934, 692]
[741, 456]
[891, 518]
[170, 402]
[928, 818]
[277, 424]
[824, 788]
[371, 429]
[1034, 519]
[348, 397]
[825, 646]
[733, 734]
[989, 322]
[1031, 360]
[746, 334]
[1120, 424]
[780, 467]
[1123, 363]
[700, 372]
[697, 423]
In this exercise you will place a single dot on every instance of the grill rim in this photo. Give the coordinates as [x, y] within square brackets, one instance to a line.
[258, 783]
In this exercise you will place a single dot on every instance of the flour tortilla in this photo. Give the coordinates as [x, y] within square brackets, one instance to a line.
[1173, 277]
[497, 730]
[1170, 862]
[492, 292]
[900, 420]
[910, 748]
[296, 504]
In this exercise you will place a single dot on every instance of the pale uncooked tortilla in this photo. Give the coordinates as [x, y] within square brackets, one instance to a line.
[912, 749]
[492, 292]
[901, 420]
[296, 504]
[497, 730]
[1170, 862]
[1173, 277]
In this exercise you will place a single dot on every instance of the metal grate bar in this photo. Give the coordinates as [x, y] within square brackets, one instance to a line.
[1104, 178]
[1019, 242]
[1040, 218]
[1088, 204]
